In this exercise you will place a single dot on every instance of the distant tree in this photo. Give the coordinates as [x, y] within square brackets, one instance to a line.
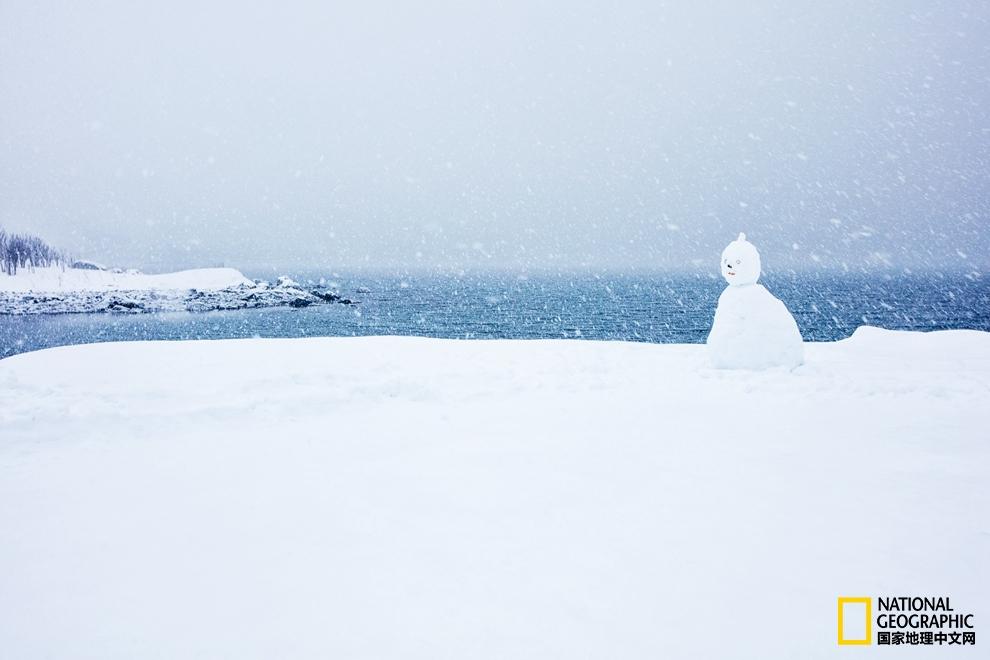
[25, 251]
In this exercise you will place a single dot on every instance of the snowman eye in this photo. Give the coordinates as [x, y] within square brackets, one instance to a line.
[738, 261]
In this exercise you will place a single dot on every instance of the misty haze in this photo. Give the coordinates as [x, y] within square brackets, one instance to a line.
[531, 135]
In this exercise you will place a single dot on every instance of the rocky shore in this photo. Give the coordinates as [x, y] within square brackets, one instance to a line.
[283, 293]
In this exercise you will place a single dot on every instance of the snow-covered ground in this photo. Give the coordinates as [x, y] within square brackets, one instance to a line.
[54, 279]
[416, 498]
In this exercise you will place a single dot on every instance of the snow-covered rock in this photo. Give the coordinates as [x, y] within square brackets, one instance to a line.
[46, 291]
[752, 329]
[149, 300]
[84, 264]
[411, 498]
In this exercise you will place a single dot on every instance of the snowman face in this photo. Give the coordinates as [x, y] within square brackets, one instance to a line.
[740, 263]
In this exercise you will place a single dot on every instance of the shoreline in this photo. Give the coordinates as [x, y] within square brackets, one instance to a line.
[136, 301]
[55, 290]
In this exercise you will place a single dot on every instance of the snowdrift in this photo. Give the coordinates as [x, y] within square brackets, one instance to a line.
[414, 498]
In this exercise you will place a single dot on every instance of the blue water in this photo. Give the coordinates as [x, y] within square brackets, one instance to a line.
[649, 307]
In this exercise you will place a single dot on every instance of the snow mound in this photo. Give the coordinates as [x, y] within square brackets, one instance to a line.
[388, 497]
[947, 343]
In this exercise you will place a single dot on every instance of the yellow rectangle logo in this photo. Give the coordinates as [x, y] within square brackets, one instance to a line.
[855, 619]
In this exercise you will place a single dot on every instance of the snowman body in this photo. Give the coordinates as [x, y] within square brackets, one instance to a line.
[752, 328]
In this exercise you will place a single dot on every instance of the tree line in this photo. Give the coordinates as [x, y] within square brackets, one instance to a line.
[25, 251]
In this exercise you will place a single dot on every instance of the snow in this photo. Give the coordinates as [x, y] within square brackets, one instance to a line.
[54, 279]
[388, 497]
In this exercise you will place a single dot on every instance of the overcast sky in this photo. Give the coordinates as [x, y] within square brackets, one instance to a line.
[521, 135]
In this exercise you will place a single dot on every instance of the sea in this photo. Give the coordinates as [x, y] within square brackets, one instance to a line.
[653, 307]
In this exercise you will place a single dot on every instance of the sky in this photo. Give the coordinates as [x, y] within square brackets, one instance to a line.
[498, 135]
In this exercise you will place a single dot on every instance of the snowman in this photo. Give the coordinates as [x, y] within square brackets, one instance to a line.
[752, 329]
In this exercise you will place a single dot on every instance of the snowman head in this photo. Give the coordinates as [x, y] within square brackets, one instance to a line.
[740, 262]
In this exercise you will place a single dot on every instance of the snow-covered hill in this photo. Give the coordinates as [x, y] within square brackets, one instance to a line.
[54, 279]
[414, 498]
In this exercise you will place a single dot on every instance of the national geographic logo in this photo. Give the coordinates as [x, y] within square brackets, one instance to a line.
[903, 621]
